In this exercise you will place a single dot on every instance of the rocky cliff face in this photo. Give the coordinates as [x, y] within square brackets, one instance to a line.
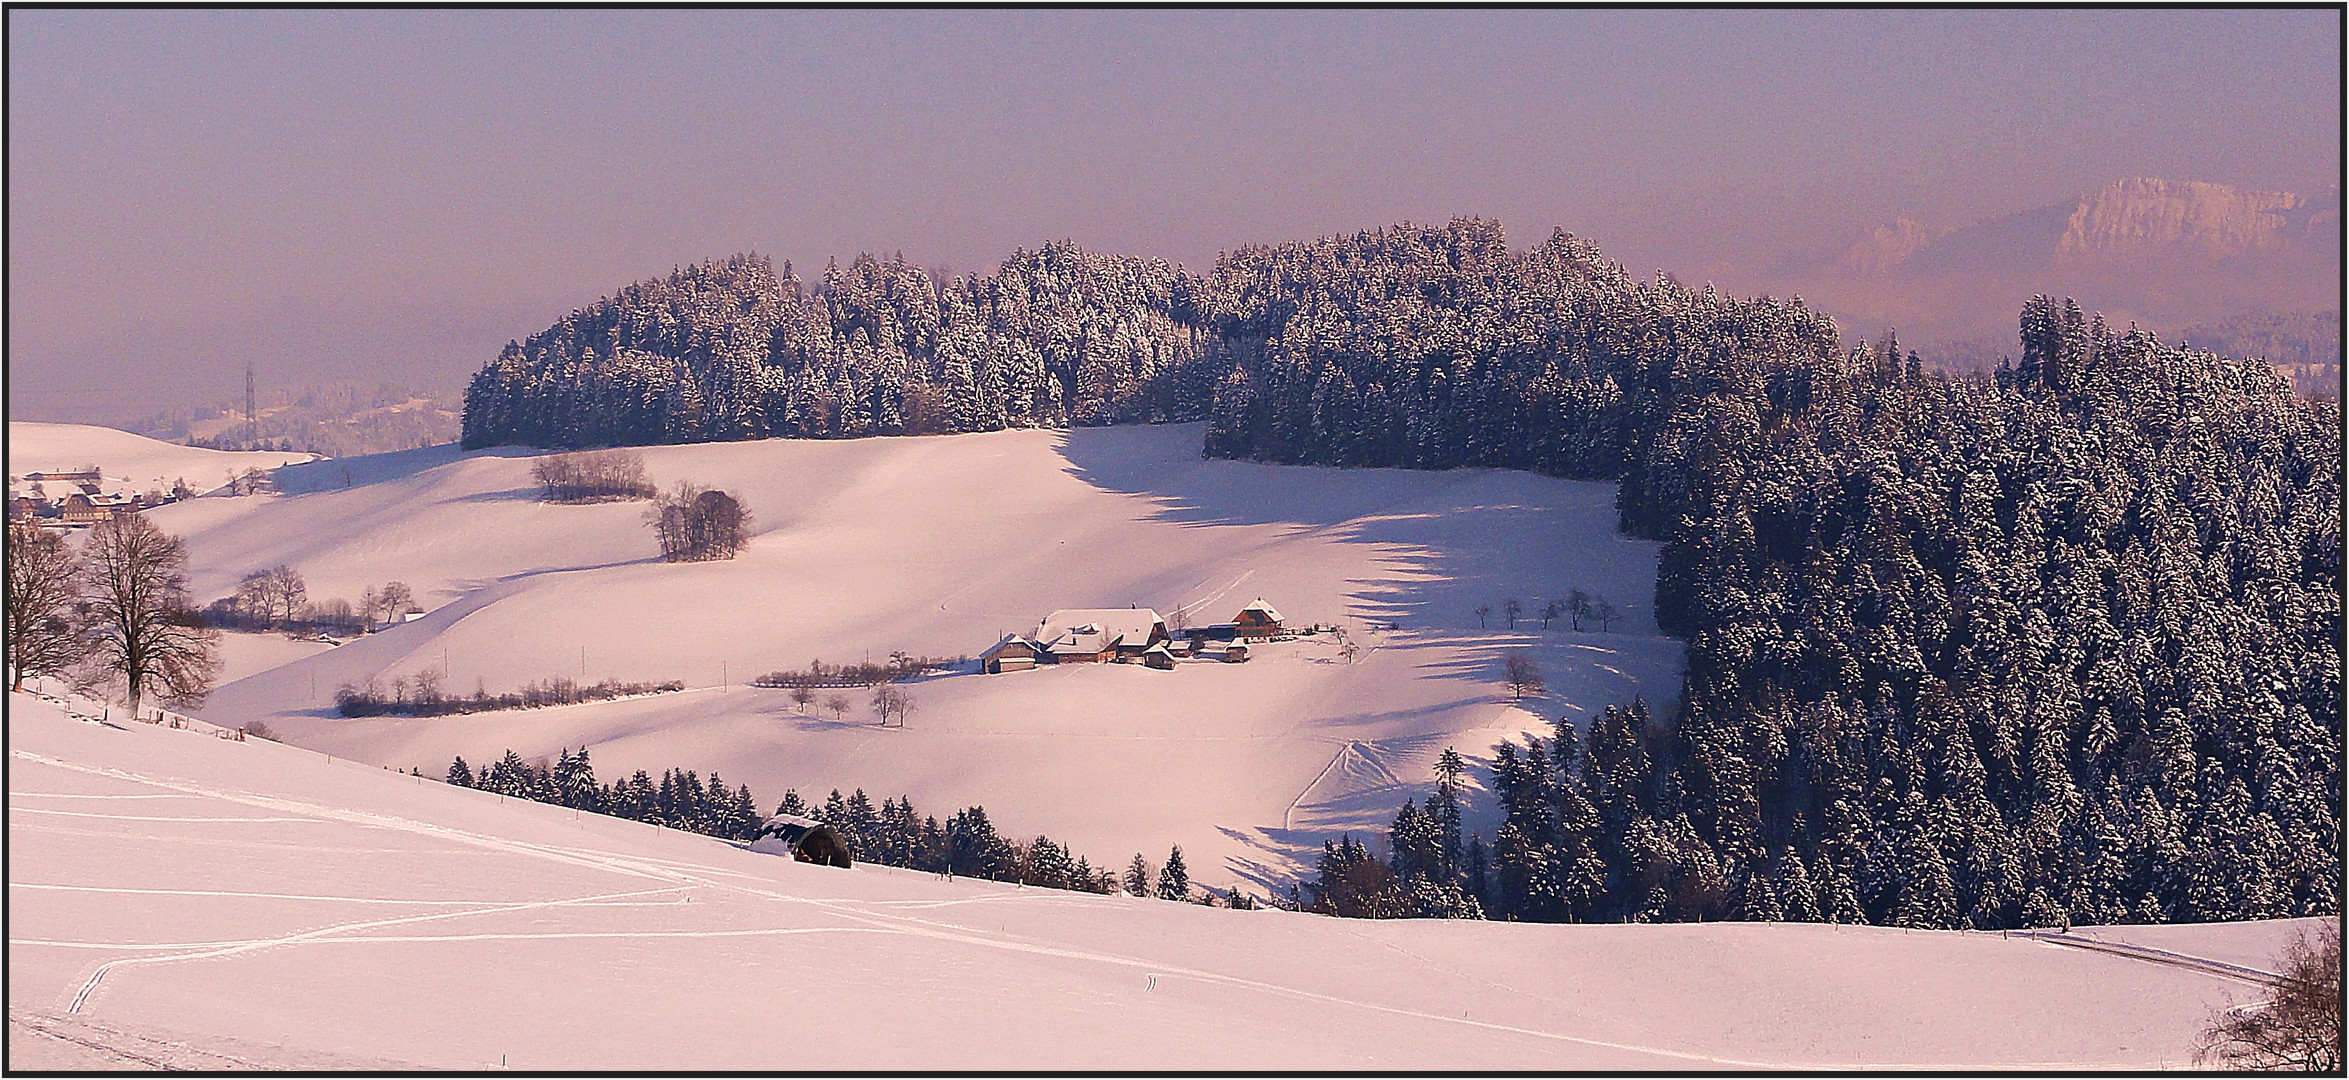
[2136, 217]
[2164, 254]
[2173, 217]
[1888, 246]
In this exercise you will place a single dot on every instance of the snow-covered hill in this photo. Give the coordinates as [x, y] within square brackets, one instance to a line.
[129, 462]
[937, 546]
[177, 899]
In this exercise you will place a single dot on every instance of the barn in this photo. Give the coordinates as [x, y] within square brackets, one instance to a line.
[1013, 653]
[804, 839]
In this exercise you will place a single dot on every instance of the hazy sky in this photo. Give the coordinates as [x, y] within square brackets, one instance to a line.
[392, 195]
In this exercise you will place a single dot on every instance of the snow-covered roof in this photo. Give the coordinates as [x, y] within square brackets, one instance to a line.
[1106, 624]
[1008, 641]
[1078, 643]
[1261, 607]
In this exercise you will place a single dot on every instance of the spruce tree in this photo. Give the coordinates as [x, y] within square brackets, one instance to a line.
[1174, 881]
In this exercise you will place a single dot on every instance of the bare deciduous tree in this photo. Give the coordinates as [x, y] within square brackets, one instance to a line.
[2298, 1028]
[837, 705]
[397, 601]
[889, 700]
[290, 592]
[1521, 673]
[1512, 608]
[592, 476]
[43, 583]
[1578, 606]
[1551, 611]
[802, 696]
[1482, 610]
[1605, 613]
[141, 626]
[694, 525]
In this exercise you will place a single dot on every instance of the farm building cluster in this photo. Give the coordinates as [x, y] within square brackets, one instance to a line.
[78, 498]
[1135, 635]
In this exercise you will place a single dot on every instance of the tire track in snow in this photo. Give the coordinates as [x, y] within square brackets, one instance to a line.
[244, 895]
[134, 817]
[856, 912]
[83, 995]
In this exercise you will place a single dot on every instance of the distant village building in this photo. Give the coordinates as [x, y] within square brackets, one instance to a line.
[84, 509]
[1235, 653]
[89, 475]
[1157, 656]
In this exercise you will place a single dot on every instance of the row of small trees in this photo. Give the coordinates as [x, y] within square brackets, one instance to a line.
[423, 696]
[592, 476]
[1578, 607]
[278, 598]
[114, 612]
[966, 844]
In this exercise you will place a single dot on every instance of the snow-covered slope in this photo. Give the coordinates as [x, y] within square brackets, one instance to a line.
[937, 546]
[179, 899]
[129, 462]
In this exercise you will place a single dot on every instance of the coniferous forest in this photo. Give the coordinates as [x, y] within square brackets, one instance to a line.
[2062, 642]
[733, 350]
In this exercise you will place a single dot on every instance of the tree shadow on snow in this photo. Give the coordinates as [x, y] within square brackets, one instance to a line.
[1449, 540]
[334, 474]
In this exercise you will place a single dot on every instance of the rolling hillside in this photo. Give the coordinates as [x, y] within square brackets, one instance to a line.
[937, 546]
[129, 462]
[178, 900]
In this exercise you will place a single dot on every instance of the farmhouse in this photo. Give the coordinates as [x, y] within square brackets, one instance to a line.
[1080, 636]
[1126, 635]
[1098, 635]
[1258, 621]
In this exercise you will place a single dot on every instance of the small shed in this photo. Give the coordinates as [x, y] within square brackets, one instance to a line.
[1258, 620]
[1158, 657]
[804, 839]
[1013, 653]
[1235, 653]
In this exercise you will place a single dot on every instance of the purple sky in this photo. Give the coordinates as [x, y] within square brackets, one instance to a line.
[366, 195]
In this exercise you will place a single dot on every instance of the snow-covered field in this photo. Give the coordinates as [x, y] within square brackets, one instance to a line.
[937, 546]
[178, 899]
[248, 653]
[128, 462]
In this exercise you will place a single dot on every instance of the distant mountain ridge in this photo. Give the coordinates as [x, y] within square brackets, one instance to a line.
[2133, 217]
